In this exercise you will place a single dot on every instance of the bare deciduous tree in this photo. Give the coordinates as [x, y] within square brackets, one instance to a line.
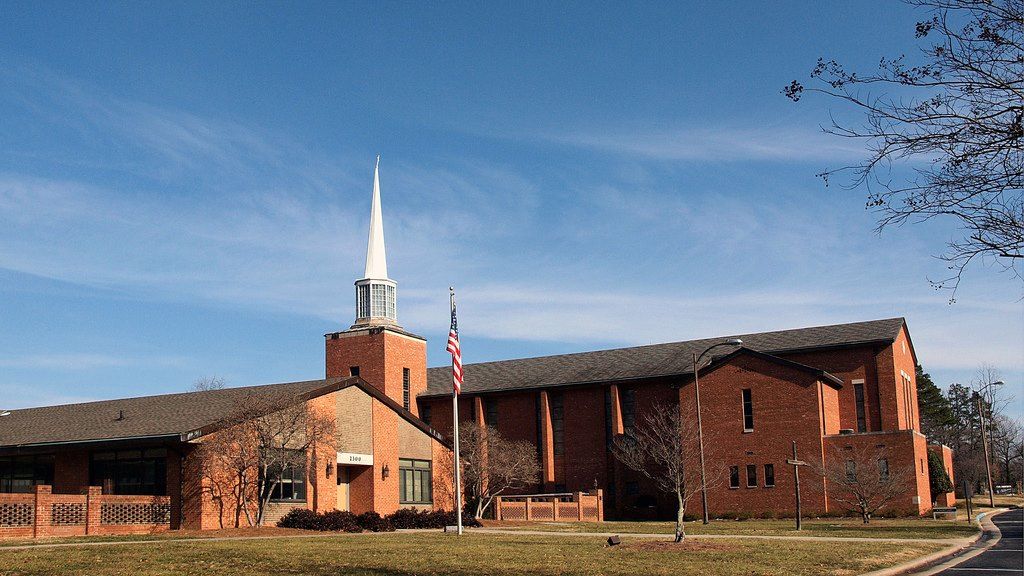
[208, 383]
[954, 123]
[492, 465]
[230, 475]
[662, 446]
[262, 437]
[864, 480]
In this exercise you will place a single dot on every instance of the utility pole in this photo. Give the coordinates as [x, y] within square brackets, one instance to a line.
[988, 462]
[700, 442]
[796, 463]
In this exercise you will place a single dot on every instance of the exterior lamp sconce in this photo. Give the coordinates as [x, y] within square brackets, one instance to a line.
[329, 467]
[385, 472]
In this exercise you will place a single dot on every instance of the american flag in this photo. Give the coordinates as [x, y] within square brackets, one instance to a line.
[456, 351]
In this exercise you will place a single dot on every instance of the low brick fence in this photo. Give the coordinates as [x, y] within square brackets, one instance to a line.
[567, 507]
[43, 513]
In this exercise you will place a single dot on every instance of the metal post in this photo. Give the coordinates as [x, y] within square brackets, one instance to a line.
[458, 484]
[988, 463]
[700, 442]
[967, 501]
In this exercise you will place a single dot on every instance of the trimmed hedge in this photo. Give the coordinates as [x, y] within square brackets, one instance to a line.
[338, 521]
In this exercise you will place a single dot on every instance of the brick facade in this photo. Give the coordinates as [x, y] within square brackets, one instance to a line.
[789, 405]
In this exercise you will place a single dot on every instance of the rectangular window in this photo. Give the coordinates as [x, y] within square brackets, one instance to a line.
[290, 481]
[140, 472]
[769, 475]
[557, 422]
[751, 475]
[858, 391]
[425, 414]
[748, 411]
[405, 388]
[628, 399]
[851, 471]
[363, 300]
[491, 408]
[414, 482]
[734, 476]
[23, 473]
[883, 470]
[353, 370]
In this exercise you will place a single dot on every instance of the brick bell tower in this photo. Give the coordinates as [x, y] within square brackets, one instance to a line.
[376, 347]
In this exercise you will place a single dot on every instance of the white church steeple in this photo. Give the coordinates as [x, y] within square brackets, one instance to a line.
[375, 292]
[376, 259]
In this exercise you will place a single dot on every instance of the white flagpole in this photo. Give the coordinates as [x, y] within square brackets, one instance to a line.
[455, 427]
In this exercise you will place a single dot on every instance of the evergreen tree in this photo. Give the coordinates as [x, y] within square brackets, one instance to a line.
[938, 478]
[937, 418]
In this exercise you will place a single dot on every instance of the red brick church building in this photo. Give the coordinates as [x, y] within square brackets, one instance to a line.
[831, 389]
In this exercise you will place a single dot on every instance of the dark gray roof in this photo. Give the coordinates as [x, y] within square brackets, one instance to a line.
[147, 416]
[646, 361]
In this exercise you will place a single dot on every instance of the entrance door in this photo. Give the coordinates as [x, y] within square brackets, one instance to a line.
[342, 475]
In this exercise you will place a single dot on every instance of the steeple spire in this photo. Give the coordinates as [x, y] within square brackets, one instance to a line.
[375, 292]
[376, 259]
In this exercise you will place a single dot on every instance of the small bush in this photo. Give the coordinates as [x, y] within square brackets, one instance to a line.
[339, 521]
[408, 518]
[300, 518]
[374, 522]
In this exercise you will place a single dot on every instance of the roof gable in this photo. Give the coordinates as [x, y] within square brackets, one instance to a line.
[728, 359]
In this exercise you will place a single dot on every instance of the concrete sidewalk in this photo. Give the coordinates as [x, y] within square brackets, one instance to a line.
[662, 536]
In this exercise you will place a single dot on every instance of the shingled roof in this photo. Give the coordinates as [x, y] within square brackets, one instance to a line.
[167, 416]
[647, 361]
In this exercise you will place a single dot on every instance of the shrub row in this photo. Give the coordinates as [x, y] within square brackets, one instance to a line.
[338, 521]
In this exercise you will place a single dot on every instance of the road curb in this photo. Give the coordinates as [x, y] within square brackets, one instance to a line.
[937, 561]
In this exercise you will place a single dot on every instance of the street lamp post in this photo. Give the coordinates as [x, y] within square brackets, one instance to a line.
[700, 428]
[984, 437]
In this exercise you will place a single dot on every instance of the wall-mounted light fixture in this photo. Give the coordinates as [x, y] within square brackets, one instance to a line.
[330, 466]
[385, 472]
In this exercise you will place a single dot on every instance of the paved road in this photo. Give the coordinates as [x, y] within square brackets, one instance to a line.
[1006, 558]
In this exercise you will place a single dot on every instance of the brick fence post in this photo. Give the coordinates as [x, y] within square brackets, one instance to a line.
[554, 508]
[93, 506]
[600, 505]
[497, 511]
[43, 511]
[579, 506]
[529, 506]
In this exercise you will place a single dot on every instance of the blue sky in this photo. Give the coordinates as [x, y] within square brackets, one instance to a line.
[184, 188]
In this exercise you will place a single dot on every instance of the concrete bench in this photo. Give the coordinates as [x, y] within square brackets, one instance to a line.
[943, 510]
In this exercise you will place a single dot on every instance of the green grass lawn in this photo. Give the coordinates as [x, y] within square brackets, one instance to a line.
[838, 527]
[473, 554]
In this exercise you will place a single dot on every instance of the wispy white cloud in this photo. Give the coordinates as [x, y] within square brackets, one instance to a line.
[716, 143]
[86, 361]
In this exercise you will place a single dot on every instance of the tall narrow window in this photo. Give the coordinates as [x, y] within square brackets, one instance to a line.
[734, 476]
[491, 406]
[851, 471]
[353, 370]
[751, 475]
[883, 470]
[858, 391]
[628, 399]
[405, 388]
[769, 475]
[748, 411]
[557, 422]
[425, 414]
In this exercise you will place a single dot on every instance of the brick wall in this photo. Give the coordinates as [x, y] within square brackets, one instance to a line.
[44, 514]
[906, 452]
[785, 408]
